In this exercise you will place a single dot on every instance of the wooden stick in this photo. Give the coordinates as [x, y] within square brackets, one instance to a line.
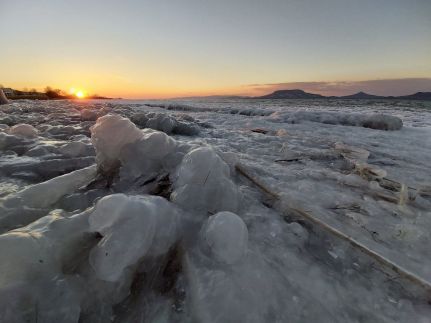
[244, 173]
[337, 233]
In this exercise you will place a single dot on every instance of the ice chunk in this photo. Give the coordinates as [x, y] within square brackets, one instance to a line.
[373, 121]
[88, 115]
[147, 155]
[47, 193]
[203, 183]
[139, 119]
[23, 130]
[382, 122]
[226, 236]
[128, 225]
[75, 149]
[162, 122]
[165, 123]
[31, 281]
[109, 135]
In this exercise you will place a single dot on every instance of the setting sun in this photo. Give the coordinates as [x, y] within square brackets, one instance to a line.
[78, 93]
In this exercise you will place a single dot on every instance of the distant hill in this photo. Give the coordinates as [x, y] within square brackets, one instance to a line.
[300, 94]
[290, 94]
[361, 96]
[210, 97]
[417, 96]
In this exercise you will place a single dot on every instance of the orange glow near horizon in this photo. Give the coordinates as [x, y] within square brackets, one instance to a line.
[80, 94]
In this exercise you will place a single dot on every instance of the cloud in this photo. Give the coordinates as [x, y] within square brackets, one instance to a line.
[378, 87]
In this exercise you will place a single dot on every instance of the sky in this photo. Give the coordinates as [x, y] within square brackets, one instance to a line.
[171, 48]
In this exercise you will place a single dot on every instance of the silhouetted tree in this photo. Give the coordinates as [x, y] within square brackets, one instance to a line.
[53, 93]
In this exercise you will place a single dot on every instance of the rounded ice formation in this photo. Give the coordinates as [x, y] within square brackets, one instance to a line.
[109, 135]
[23, 130]
[148, 154]
[203, 183]
[226, 235]
[128, 225]
[88, 115]
[162, 122]
[382, 122]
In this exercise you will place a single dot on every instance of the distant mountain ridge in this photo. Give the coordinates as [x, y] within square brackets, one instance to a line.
[361, 96]
[290, 94]
[300, 94]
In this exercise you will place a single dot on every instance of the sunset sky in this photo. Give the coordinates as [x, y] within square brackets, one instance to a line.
[156, 49]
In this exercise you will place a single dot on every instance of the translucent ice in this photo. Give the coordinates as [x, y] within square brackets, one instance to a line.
[226, 236]
[128, 225]
[203, 183]
[147, 155]
[32, 284]
[109, 135]
[47, 193]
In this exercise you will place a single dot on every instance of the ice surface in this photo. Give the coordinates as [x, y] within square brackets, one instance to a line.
[202, 173]
[178, 254]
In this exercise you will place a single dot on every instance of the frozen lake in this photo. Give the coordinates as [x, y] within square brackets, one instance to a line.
[143, 215]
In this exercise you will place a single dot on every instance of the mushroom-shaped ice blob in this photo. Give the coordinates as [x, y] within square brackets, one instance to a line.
[109, 135]
[203, 174]
[129, 226]
[226, 237]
